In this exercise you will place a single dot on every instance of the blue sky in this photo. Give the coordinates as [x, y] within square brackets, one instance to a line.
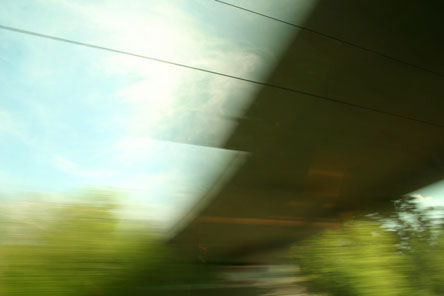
[74, 117]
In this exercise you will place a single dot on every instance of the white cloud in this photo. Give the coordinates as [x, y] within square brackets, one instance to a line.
[164, 100]
[421, 198]
[129, 150]
[71, 168]
[169, 102]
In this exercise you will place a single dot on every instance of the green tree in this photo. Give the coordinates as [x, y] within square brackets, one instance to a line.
[359, 259]
[82, 248]
[398, 252]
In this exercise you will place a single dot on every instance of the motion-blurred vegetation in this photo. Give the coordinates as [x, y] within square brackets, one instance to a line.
[83, 248]
[399, 252]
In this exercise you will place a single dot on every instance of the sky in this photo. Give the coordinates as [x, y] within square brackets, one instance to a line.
[431, 195]
[73, 117]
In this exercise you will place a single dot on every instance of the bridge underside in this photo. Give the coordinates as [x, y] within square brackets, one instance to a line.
[357, 130]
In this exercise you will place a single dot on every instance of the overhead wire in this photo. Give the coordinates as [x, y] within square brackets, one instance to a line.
[275, 86]
[303, 28]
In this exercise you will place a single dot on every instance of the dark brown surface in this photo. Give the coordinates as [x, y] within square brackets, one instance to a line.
[313, 162]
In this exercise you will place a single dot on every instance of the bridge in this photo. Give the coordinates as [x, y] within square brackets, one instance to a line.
[351, 118]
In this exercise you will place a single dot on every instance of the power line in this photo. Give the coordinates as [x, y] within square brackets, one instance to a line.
[381, 54]
[276, 86]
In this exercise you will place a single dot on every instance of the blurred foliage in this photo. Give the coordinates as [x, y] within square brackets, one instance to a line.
[399, 252]
[82, 248]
